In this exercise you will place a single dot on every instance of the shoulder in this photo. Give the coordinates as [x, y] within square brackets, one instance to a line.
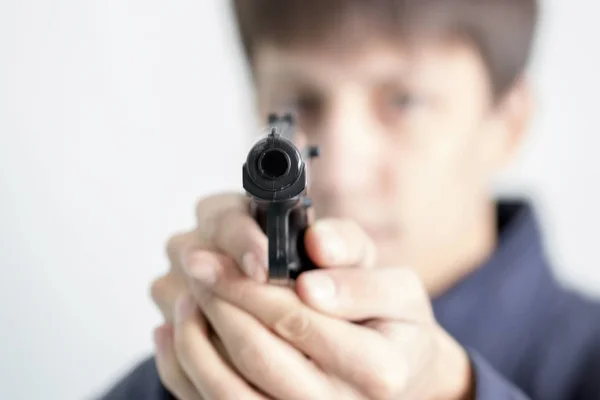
[568, 345]
[141, 382]
[573, 317]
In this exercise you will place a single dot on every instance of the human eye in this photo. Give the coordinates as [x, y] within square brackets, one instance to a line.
[403, 100]
[307, 108]
[398, 104]
[307, 105]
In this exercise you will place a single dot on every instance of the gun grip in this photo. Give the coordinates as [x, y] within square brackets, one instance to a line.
[285, 228]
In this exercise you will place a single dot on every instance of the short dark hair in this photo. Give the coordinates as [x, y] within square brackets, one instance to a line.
[502, 31]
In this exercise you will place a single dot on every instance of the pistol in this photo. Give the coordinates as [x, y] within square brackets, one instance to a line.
[275, 178]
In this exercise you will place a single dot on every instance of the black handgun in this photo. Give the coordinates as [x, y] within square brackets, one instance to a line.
[275, 178]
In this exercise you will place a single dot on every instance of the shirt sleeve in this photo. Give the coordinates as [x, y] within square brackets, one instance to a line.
[490, 384]
[142, 382]
[589, 384]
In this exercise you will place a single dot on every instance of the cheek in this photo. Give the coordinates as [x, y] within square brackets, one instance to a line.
[436, 172]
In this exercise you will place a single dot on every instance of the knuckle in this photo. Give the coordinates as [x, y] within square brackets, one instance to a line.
[158, 288]
[206, 214]
[206, 203]
[237, 220]
[238, 232]
[387, 383]
[197, 259]
[175, 245]
[210, 208]
[181, 343]
[253, 360]
[244, 293]
[207, 228]
[295, 326]
[219, 200]
[194, 257]
[163, 292]
[225, 222]
[226, 229]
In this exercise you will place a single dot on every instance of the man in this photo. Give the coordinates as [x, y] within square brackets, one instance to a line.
[428, 287]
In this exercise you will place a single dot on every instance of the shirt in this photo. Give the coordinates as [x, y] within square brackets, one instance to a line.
[527, 336]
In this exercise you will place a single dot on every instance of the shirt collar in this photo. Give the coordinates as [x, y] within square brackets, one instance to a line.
[517, 262]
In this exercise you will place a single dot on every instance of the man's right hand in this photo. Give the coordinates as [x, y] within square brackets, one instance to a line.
[220, 220]
[223, 226]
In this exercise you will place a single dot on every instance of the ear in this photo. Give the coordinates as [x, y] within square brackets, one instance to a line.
[514, 113]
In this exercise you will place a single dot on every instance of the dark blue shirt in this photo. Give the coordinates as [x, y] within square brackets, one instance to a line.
[528, 337]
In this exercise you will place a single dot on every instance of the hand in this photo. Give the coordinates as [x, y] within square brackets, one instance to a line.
[223, 225]
[362, 346]
[166, 289]
[395, 351]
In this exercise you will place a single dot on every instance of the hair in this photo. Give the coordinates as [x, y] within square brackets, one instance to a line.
[502, 31]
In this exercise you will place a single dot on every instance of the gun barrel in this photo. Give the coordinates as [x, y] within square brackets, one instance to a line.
[274, 169]
[274, 163]
[274, 176]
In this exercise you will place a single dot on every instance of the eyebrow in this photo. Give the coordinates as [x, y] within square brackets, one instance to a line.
[295, 80]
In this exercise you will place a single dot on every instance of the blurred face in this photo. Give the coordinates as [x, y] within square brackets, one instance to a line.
[409, 140]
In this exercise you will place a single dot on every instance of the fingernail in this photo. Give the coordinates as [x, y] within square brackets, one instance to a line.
[253, 268]
[201, 269]
[330, 242]
[320, 286]
[184, 308]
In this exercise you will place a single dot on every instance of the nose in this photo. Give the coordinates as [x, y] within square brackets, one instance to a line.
[350, 142]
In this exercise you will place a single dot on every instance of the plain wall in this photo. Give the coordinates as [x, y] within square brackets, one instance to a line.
[116, 116]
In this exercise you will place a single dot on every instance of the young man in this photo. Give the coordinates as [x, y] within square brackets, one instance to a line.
[429, 288]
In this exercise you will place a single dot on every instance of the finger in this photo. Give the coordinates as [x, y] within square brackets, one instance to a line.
[261, 357]
[239, 236]
[393, 293]
[209, 210]
[170, 372]
[205, 368]
[164, 292]
[339, 243]
[357, 294]
[363, 358]
[179, 244]
[225, 222]
[354, 353]
[165, 289]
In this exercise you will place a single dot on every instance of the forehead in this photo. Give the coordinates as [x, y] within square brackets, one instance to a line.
[434, 66]
[367, 62]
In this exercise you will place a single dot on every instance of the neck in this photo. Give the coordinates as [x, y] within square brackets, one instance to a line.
[467, 254]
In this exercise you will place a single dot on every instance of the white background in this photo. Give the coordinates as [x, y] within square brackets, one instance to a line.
[115, 116]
